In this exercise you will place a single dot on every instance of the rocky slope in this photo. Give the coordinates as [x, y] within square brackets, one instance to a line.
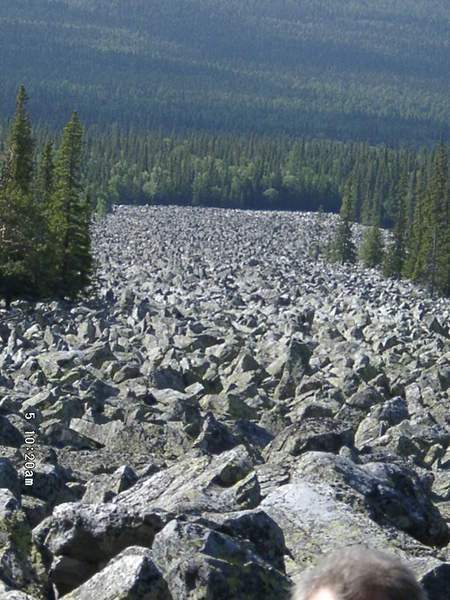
[222, 410]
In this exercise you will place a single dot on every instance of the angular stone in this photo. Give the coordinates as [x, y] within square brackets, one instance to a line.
[198, 561]
[91, 534]
[132, 574]
[324, 434]
[103, 488]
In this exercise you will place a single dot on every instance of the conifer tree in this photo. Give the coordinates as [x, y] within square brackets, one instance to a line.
[429, 240]
[349, 200]
[396, 252]
[19, 250]
[372, 247]
[21, 145]
[343, 249]
[434, 252]
[415, 229]
[69, 215]
[21, 230]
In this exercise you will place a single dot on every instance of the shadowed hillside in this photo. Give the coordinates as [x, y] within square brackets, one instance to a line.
[374, 71]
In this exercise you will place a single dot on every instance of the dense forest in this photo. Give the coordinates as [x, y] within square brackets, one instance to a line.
[251, 172]
[373, 71]
[248, 172]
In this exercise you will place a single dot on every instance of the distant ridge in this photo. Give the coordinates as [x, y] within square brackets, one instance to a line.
[373, 71]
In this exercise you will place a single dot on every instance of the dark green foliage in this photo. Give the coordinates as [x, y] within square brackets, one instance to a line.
[21, 145]
[21, 230]
[69, 215]
[396, 252]
[429, 247]
[46, 175]
[343, 248]
[371, 71]
[372, 248]
[20, 244]
[44, 221]
[350, 204]
[393, 260]
[245, 172]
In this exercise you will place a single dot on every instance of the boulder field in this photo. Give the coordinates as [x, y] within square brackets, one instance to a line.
[221, 409]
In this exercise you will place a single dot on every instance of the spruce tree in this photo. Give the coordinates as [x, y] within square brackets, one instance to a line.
[349, 200]
[69, 215]
[21, 145]
[414, 231]
[436, 239]
[19, 248]
[343, 249]
[21, 229]
[429, 243]
[372, 247]
[396, 252]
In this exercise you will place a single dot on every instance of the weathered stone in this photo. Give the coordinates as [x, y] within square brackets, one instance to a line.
[225, 482]
[365, 399]
[132, 574]
[219, 379]
[295, 367]
[91, 534]
[310, 434]
[200, 562]
[394, 493]
[54, 363]
[214, 437]
[103, 488]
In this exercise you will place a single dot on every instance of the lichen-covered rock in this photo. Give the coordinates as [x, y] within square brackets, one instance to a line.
[20, 566]
[132, 574]
[385, 491]
[315, 522]
[200, 562]
[78, 538]
[325, 434]
[224, 482]
[103, 488]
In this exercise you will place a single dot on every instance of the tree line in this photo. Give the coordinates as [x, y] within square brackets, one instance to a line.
[254, 172]
[44, 213]
[419, 247]
[127, 166]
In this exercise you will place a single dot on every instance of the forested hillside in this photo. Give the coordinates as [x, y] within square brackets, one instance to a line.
[373, 71]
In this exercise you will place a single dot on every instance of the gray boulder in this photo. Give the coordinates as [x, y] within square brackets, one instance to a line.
[386, 492]
[78, 538]
[132, 574]
[323, 434]
[104, 487]
[200, 562]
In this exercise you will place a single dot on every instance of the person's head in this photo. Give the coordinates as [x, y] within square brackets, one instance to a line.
[357, 573]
